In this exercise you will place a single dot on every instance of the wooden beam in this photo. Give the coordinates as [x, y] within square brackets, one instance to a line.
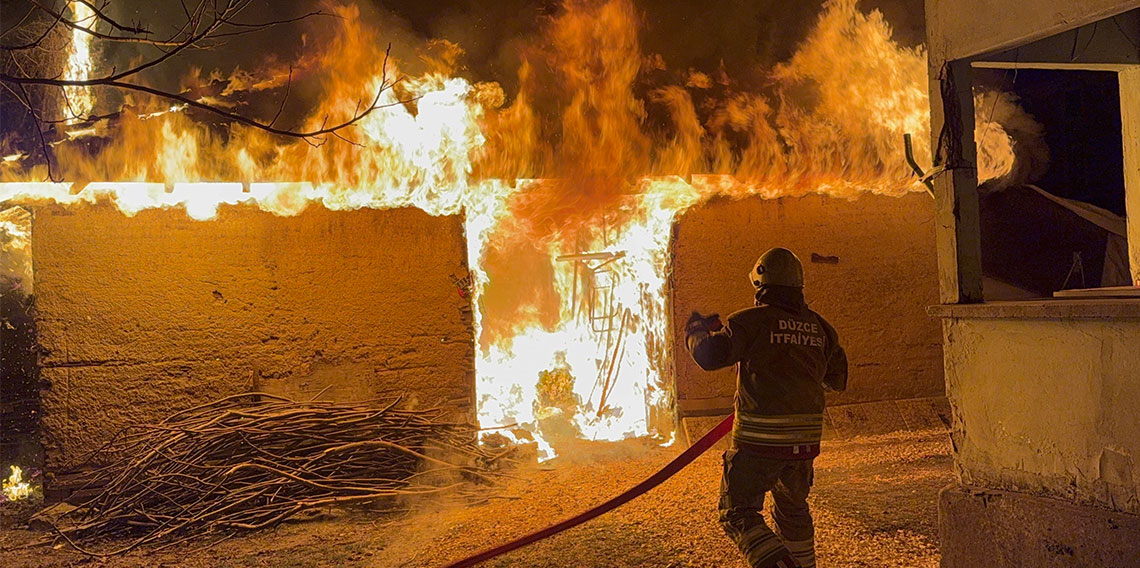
[1130, 127]
[957, 220]
[969, 28]
[1105, 45]
[1116, 67]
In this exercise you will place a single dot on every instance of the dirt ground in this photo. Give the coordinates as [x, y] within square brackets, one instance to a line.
[874, 501]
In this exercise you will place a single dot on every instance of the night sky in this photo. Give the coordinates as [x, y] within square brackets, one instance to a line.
[746, 35]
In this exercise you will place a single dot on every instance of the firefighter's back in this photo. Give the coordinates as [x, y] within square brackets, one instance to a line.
[781, 376]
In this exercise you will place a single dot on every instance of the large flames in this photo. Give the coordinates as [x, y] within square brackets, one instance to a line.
[79, 100]
[568, 195]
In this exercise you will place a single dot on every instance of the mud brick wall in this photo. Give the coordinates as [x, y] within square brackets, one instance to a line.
[874, 274]
[142, 316]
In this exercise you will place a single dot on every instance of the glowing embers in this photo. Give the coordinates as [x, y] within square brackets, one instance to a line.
[557, 405]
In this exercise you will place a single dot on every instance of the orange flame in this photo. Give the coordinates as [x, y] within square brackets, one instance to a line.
[79, 101]
[14, 486]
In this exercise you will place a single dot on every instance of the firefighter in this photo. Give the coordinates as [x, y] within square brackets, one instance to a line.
[786, 356]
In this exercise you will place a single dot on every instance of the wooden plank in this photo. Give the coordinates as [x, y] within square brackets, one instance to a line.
[1130, 127]
[1105, 292]
[967, 28]
[1072, 308]
[956, 217]
[1117, 67]
[1104, 46]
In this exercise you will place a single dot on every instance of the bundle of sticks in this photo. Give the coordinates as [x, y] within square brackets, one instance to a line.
[253, 460]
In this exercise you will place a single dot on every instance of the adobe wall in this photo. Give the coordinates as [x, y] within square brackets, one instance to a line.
[142, 316]
[1045, 437]
[874, 288]
[1047, 406]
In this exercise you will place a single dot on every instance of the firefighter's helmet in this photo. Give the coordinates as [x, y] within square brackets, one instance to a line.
[778, 267]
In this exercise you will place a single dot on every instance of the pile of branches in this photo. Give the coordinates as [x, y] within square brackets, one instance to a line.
[251, 461]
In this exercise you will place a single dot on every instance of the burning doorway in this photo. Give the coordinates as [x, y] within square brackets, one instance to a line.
[572, 320]
[20, 450]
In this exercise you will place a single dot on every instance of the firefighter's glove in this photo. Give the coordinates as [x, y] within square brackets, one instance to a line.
[704, 324]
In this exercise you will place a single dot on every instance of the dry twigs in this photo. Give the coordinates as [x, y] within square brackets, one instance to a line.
[251, 461]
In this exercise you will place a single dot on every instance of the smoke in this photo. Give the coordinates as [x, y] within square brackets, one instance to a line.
[1010, 141]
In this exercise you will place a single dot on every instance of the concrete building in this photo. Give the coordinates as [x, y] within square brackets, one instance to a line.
[1043, 390]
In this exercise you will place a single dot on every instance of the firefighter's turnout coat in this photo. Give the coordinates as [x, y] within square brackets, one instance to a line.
[787, 354]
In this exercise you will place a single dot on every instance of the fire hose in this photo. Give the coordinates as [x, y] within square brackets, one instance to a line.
[677, 464]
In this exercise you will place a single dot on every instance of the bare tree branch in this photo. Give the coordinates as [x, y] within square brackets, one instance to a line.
[206, 22]
[115, 82]
[34, 43]
[39, 131]
[103, 16]
[18, 25]
[141, 34]
[288, 86]
[89, 29]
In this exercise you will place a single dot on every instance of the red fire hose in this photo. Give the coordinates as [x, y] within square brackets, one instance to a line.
[652, 481]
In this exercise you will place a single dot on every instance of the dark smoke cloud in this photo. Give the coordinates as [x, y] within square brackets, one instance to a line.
[287, 42]
[741, 35]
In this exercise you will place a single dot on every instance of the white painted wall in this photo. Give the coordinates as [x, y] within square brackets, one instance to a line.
[1048, 406]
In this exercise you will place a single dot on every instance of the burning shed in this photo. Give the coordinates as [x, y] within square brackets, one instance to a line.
[516, 279]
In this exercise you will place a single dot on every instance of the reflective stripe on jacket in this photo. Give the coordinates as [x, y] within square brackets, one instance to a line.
[778, 430]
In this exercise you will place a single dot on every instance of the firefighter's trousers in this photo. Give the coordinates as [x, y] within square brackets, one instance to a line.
[747, 477]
